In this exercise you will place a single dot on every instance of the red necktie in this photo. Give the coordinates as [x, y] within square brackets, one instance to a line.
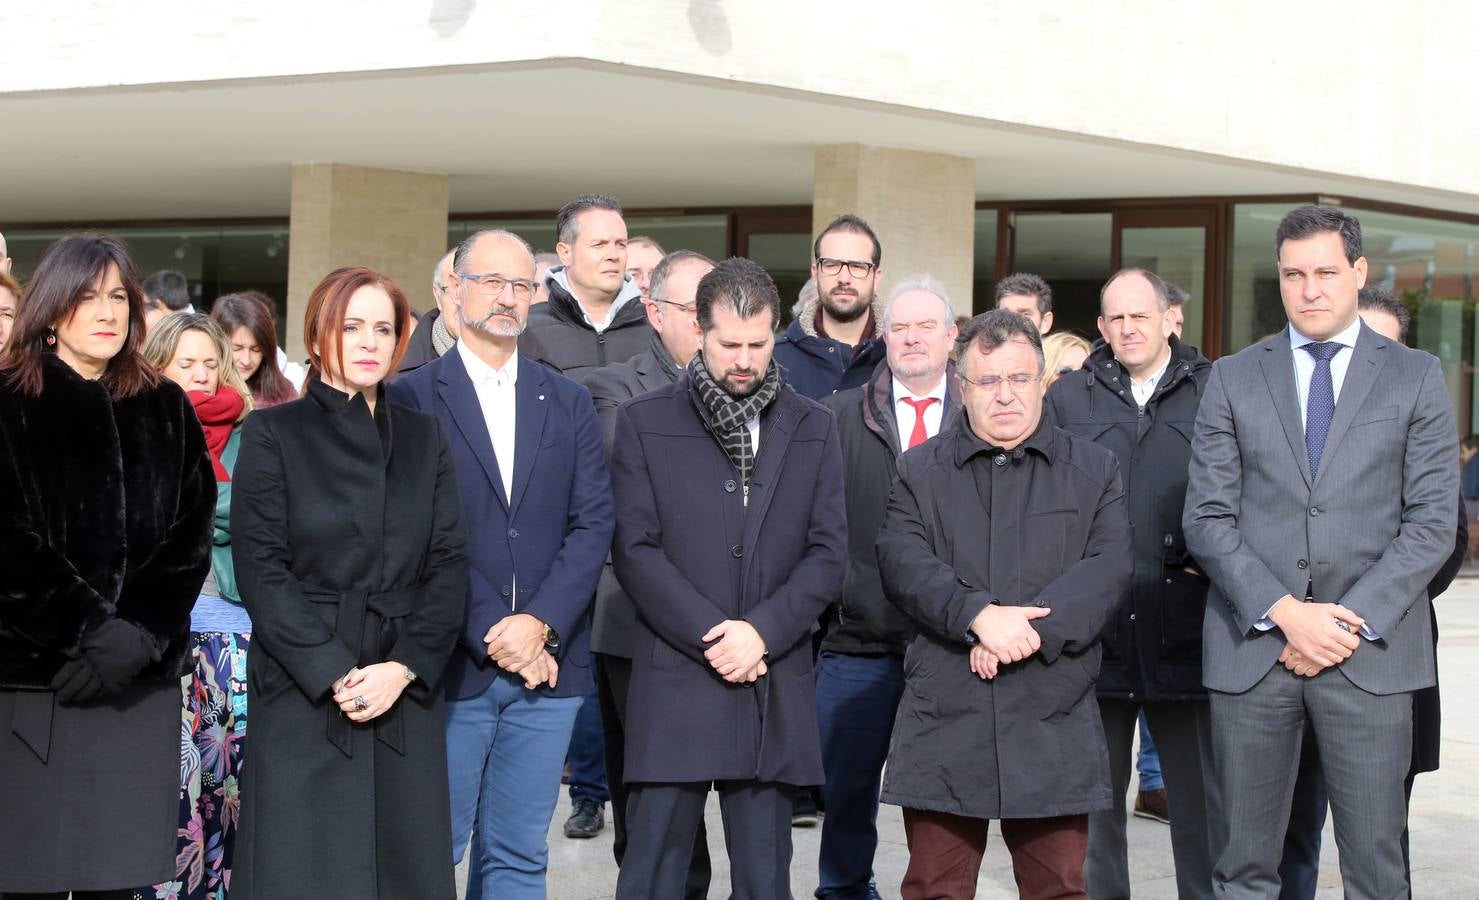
[918, 435]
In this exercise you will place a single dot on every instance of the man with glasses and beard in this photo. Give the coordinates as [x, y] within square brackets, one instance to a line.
[731, 540]
[522, 667]
[836, 340]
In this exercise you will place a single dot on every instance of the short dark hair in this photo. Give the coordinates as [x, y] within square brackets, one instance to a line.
[741, 285]
[567, 229]
[1308, 221]
[991, 329]
[1176, 295]
[664, 269]
[854, 224]
[1028, 285]
[1157, 284]
[168, 287]
[1378, 300]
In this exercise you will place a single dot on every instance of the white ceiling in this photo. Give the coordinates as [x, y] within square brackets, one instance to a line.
[529, 136]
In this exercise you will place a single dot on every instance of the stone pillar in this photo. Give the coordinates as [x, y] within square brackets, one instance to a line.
[922, 206]
[394, 222]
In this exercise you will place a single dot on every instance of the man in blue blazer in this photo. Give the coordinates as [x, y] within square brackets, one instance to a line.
[537, 505]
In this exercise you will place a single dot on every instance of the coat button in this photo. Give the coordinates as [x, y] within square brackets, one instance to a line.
[504, 590]
[1314, 510]
[513, 532]
[1303, 564]
[729, 486]
[736, 551]
[831, 349]
[1001, 459]
[1132, 617]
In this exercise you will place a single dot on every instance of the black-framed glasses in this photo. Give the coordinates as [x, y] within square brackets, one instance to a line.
[494, 284]
[1019, 382]
[857, 268]
[689, 308]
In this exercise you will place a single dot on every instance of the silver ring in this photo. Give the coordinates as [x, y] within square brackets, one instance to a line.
[1340, 623]
[361, 704]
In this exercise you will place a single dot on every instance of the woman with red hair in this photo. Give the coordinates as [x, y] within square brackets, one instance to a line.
[349, 555]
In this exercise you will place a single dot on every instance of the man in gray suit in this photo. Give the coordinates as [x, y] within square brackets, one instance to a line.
[1323, 471]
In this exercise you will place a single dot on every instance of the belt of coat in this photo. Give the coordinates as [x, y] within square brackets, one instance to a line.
[365, 638]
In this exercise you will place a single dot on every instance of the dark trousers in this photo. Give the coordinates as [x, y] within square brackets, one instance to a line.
[945, 853]
[857, 697]
[1183, 734]
[1299, 870]
[613, 679]
[662, 820]
[587, 753]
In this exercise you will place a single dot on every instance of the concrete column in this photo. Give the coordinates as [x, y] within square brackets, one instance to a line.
[394, 222]
[922, 206]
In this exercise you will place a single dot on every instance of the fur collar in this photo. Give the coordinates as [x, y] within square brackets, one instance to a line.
[806, 317]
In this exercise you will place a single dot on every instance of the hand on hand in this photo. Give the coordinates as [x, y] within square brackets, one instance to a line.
[543, 668]
[380, 685]
[984, 663]
[515, 642]
[1007, 632]
[739, 654]
[1298, 663]
[1310, 629]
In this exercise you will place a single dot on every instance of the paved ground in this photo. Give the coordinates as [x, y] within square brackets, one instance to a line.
[1444, 824]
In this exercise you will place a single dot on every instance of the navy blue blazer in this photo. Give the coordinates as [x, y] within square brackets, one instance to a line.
[551, 537]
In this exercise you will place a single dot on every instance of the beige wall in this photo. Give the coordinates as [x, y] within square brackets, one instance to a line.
[921, 205]
[1376, 91]
[393, 222]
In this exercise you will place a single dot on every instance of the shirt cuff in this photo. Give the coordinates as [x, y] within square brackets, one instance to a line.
[1264, 624]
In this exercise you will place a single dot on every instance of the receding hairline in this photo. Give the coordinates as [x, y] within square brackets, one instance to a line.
[502, 235]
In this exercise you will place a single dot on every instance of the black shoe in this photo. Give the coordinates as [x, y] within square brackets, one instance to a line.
[587, 818]
[803, 810]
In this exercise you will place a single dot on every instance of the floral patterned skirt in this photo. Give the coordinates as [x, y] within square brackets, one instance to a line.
[212, 746]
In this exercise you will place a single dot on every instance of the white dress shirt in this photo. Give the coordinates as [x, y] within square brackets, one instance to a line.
[904, 413]
[1304, 372]
[1141, 390]
[495, 389]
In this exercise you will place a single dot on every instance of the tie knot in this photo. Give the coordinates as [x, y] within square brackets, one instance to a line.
[1325, 350]
[921, 404]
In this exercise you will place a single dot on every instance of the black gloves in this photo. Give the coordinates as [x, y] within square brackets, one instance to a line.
[77, 682]
[112, 655]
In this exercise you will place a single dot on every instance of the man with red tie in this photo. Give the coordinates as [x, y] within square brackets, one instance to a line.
[860, 673]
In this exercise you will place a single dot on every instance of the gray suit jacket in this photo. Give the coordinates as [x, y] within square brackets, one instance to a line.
[1370, 531]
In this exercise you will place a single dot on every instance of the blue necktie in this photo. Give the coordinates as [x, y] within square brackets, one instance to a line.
[1319, 409]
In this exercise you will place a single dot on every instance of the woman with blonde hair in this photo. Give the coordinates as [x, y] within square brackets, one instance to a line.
[191, 350]
[1063, 352]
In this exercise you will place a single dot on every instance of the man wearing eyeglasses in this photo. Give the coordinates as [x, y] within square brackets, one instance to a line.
[594, 314]
[1137, 396]
[835, 341]
[1007, 543]
[673, 313]
[536, 498]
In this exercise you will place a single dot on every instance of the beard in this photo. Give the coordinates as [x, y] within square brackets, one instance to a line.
[740, 390]
[501, 328]
[849, 304]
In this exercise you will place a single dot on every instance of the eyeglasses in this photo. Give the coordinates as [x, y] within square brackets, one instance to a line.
[855, 267]
[689, 308]
[494, 284]
[1019, 382]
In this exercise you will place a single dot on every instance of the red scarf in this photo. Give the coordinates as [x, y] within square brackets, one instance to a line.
[218, 413]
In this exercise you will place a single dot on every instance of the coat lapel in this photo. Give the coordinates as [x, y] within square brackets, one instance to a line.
[531, 403]
[457, 391]
[774, 443]
[1367, 359]
[1278, 371]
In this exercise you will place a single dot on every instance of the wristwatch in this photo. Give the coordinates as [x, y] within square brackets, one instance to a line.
[551, 639]
[410, 676]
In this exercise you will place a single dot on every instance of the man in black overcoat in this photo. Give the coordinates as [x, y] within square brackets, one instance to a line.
[731, 539]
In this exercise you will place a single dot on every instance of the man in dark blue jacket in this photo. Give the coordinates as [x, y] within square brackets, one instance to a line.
[523, 662]
[731, 540]
[836, 340]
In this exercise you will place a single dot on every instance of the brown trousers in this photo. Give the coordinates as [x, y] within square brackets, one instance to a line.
[945, 853]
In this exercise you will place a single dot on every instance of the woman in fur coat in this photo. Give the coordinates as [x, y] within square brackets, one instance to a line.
[106, 500]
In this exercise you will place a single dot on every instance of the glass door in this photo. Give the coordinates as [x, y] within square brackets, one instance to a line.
[1180, 245]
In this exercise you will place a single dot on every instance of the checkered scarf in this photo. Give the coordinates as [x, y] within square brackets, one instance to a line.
[727, 414]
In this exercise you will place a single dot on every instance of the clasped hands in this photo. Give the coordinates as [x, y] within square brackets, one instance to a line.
[516, 644]
[739, 654]
[1004, 634]
[1315, 640]
[379, 686]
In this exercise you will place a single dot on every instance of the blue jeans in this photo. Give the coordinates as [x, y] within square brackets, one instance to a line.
[588, 753]
[857, 697]
[505, 750]
[1148, 764]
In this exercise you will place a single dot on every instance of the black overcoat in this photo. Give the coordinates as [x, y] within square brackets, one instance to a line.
[1153, 643]
[967, 525]
[349, 550]
[691, 555]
